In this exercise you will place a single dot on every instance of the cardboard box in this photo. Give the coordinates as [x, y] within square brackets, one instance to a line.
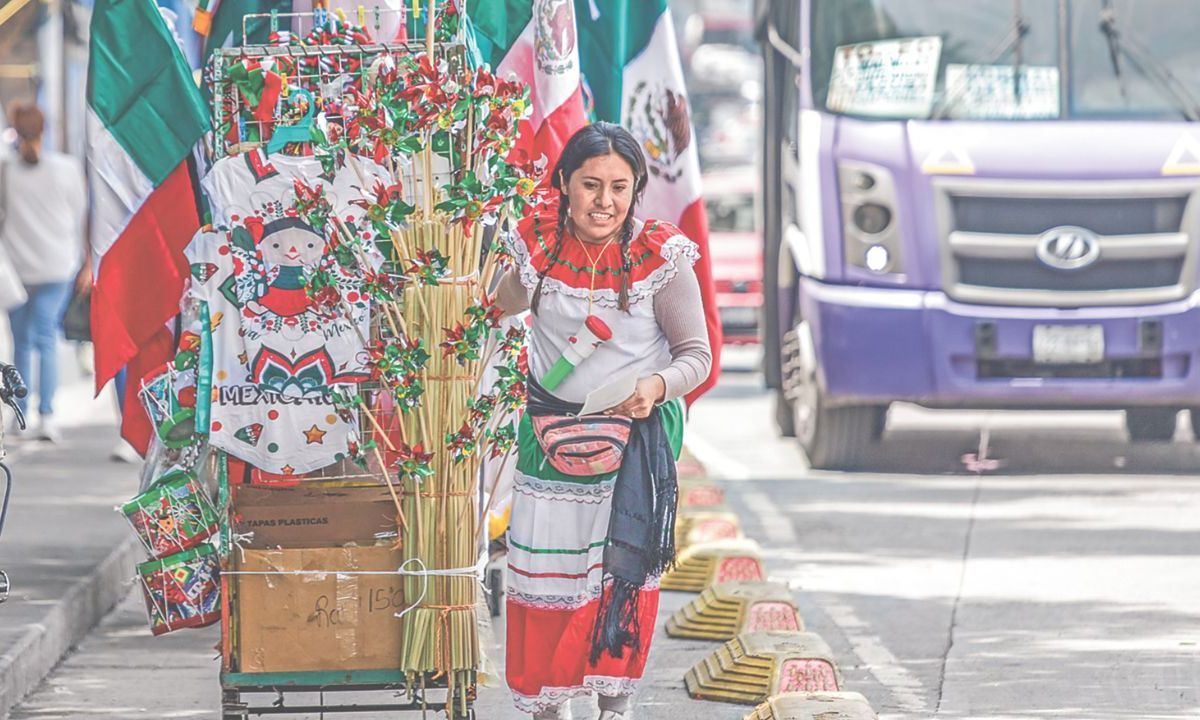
[318, 622]
[313, 517]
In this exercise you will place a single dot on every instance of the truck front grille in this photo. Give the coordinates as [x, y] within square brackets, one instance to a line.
[1103, 275]
[1011, 368]
[990, 232]
[1035, 215]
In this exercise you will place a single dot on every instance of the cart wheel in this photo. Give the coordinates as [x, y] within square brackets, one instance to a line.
[232, 707]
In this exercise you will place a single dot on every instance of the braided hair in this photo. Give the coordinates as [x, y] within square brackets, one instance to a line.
[592, 141]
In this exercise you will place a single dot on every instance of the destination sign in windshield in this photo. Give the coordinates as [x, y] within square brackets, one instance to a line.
[887, 78]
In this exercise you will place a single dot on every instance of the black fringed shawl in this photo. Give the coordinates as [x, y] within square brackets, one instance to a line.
[641, 528]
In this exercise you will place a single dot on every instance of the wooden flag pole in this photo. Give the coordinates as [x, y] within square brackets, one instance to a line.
[430, 21]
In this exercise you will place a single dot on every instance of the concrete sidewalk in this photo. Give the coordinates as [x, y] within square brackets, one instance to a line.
[121, 671]
[68, 554]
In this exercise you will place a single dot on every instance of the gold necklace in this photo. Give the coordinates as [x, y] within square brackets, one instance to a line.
[593, 261]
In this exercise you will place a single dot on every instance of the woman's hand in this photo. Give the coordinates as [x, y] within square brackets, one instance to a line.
[649, 392]
[83, 279]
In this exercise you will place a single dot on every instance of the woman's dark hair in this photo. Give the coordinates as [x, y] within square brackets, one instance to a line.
[29, 123]
[596, 140]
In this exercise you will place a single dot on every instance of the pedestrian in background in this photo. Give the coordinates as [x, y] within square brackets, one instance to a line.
[44, 202]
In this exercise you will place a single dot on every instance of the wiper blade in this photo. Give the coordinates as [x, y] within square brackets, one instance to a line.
[1020, 27]
[1108, 25]
[1153, 69]
[1012, 42]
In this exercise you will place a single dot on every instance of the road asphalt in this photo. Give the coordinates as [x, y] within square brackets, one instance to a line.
[1060, 584]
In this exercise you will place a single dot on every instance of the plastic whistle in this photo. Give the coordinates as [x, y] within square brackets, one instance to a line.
[580, 346]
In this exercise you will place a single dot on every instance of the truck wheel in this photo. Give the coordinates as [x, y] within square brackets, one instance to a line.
[832, 438]
[879, 422]
[1150, 424]
[789, 363]
[785, 418]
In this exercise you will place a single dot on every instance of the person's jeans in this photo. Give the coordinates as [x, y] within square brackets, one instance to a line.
[119, 386]
[35, 326]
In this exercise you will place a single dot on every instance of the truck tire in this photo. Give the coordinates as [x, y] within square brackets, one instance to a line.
[837, 438]
[789, 365]
[879, 423]
[785, 418]
[1151, 424]
[833, 438]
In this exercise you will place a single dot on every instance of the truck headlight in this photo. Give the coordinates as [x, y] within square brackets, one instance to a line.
[877, 258]
[871, 237]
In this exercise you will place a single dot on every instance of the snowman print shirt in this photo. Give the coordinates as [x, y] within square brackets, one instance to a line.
[278, 356]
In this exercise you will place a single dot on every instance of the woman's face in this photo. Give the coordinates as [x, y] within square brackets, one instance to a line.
[600, 193]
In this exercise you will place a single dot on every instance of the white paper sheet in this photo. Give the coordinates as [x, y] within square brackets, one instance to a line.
[610, 394]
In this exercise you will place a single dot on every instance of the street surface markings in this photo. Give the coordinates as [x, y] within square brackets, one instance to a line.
[1184, 158]
[776, 526]
[906, 689]
[718, 464]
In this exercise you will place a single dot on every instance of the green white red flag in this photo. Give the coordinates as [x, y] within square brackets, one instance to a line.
[625, 54]
[535, 40]
[144, 116]
[631, 64]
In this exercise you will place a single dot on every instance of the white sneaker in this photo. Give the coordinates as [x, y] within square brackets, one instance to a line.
[561, 712]
[124, 452]
[48, 430]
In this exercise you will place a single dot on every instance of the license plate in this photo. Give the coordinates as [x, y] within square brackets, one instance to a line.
[1068, 343]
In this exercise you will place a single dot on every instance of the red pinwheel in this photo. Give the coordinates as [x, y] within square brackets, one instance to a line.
[412, 463]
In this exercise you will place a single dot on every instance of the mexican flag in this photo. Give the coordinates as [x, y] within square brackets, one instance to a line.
[144, 116]
[536, 41]
[223, 19]
[624, 53]
[632, 68]
[507, 33]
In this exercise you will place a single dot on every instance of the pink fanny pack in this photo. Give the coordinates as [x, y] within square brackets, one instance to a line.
[583, 445]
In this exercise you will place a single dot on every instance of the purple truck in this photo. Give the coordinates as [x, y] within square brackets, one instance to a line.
[979, 204]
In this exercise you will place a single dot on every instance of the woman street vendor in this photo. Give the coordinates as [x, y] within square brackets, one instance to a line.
[592, 527]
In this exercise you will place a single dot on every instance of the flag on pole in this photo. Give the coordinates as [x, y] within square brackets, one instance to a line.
[632, 70]
[144, 116]
[624, 53]
[226, 18]
[535, 40]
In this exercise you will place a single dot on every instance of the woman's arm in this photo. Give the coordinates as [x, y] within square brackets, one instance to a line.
[680, 314]
[511, 295]
[679, 310]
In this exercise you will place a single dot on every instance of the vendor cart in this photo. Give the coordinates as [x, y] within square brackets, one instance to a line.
[386, 688]
[332, 620]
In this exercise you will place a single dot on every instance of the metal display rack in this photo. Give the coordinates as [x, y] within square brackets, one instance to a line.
[253, 694]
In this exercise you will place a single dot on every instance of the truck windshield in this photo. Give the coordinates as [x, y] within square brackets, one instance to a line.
[996, 59]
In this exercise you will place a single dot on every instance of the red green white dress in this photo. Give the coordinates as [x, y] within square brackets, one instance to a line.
[559, 524]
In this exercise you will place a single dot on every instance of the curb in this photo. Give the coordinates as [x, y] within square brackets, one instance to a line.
[38, 652]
